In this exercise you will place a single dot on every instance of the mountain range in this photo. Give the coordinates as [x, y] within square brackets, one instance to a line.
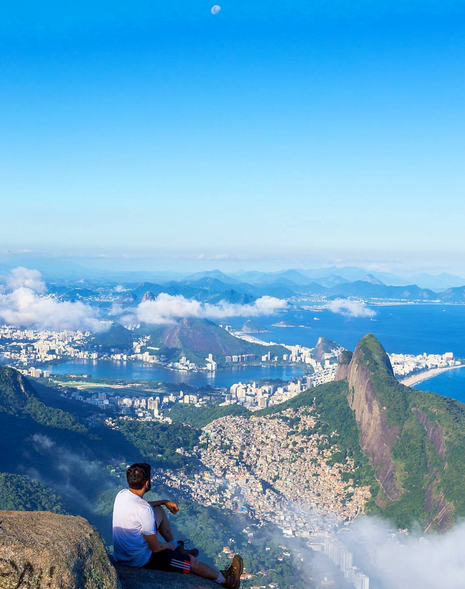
[212, 290]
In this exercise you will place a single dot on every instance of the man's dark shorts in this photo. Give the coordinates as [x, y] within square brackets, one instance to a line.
[169, 560]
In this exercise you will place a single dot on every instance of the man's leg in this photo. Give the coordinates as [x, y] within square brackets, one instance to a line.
[170, 560]
[203, 570]
[164, 527]
[163, 524]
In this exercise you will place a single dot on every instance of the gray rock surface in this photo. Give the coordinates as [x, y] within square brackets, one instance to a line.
[42, 550]
[132, 578]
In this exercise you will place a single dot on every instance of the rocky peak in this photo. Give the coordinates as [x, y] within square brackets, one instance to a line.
[343, 364]
[323, 346]
[365, 371]
[148, 296]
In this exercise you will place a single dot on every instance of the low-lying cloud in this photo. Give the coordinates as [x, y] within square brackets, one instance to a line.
[427, 561]
[166, 308]
[351, 308]
[24, 303]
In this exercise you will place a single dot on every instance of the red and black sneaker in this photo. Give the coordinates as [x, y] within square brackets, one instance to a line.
[233, 573]
[181, 548]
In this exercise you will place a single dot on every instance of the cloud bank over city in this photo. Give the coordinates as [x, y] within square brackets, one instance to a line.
[351, 308]
[166, 308]
[24, 303]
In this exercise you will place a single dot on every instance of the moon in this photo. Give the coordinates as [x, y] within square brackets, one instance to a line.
[216, 9]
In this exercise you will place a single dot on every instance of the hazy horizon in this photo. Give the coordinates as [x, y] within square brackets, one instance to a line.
[183, 266]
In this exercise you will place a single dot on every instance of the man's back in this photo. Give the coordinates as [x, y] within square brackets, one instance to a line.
[132, 519]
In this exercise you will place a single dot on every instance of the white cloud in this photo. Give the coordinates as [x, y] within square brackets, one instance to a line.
[165, 308]
[427, 561]
[24, 278]
[23, 303]
[351, 308]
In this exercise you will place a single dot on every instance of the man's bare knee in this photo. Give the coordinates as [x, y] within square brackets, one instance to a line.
[159, 514]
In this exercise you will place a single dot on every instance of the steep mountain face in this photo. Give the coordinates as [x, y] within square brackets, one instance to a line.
[195, 338]
[323, 346]
[343, 364]
[415, 441]
[377, 437]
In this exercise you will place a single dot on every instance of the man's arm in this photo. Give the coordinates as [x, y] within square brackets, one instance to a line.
[155, 545]
[170, 505]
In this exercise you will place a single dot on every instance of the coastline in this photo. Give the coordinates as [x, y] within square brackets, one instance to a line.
[420, 377]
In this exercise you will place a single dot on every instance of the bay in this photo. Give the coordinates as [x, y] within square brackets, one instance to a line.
[140, 371]
[409, 329]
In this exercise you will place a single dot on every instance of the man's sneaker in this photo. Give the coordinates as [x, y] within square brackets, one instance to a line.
[183, 550]
[233, 573]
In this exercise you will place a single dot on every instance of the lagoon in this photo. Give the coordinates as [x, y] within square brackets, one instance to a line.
[140, 371]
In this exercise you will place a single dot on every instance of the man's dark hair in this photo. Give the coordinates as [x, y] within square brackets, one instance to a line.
[138, 474]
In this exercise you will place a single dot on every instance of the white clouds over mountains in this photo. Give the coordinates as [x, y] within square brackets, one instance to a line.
[165, 308]
[23, 303]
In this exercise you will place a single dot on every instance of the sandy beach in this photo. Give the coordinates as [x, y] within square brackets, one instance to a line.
[421, 376]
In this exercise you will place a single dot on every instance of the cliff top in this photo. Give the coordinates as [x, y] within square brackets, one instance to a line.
[132, 578]
[48, 551]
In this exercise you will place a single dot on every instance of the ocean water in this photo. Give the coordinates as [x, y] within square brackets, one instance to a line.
[448, 384]
[410, 329]
[140, 371]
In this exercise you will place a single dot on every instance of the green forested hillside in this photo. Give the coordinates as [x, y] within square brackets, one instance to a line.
[21, 493]
[19, 398]
[157, 442]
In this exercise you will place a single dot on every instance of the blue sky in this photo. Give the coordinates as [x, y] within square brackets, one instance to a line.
[274, 132]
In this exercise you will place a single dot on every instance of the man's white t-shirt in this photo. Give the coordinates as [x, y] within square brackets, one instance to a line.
[133, 518]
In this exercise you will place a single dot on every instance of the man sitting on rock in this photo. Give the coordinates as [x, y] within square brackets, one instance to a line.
[138, 525]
